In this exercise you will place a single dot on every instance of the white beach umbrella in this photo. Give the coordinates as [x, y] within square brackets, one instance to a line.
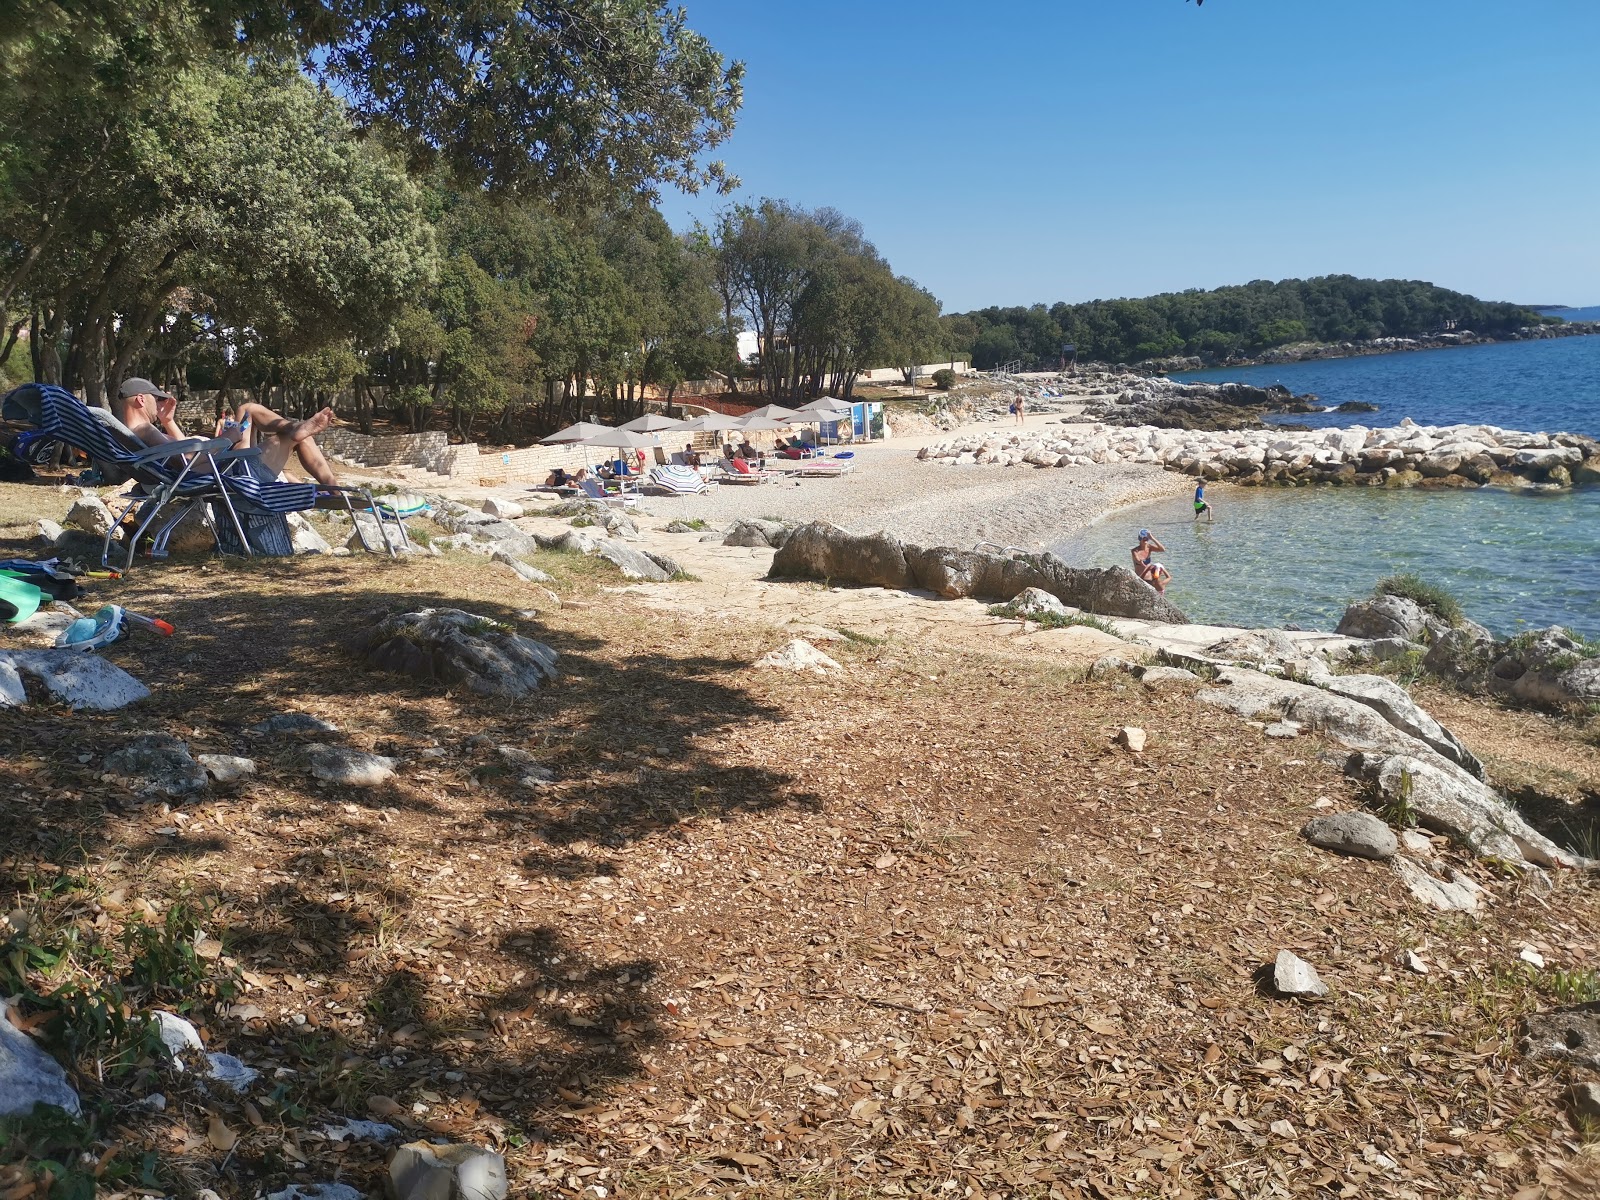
[622, 439]
[827, 406]
[574, 433]
[649, 423]
[754, 422]
[711, 422]
[774, 412]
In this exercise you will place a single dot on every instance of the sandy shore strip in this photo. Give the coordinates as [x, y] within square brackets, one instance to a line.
[889, 489]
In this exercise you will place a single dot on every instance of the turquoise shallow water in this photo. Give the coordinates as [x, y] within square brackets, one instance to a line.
[1298, 556]
[1282, 556]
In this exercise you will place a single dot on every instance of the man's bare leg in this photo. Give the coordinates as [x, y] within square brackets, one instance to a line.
[315, 462]
[267, 421]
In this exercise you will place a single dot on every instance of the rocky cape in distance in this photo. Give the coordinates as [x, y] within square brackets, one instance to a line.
[1311, 351]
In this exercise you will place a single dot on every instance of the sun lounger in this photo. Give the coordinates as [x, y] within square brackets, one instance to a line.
[738, 471]
[821, 468]
[210, 472]
[595, 490]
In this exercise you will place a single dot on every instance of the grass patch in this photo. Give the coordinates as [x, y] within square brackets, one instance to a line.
[862, 639]
[685, 577]
[1584, 650]
[694, 524]
[1428, 596]
[584, 522]
[1050, 620]
[1405, 669]
[1399, 811]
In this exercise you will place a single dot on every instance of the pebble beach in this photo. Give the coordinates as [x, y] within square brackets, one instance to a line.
[889, 489]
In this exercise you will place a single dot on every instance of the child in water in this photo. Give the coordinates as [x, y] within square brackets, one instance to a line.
[1200, 505]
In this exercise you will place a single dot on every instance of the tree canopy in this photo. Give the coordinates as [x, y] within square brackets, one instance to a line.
[541, 97]
[823, 303]
[1227, 322]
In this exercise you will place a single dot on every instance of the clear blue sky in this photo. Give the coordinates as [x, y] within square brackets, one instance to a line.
[1039, 150]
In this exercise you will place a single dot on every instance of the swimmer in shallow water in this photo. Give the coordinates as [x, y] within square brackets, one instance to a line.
[1143, 564]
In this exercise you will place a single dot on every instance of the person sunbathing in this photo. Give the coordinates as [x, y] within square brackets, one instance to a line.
[151, 415]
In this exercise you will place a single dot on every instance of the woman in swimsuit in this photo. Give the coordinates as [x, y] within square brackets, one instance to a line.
[1144, 566]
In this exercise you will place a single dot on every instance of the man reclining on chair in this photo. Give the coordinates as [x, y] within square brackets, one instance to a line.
[151, 414]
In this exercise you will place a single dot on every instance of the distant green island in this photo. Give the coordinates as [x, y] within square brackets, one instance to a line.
[1229, 323]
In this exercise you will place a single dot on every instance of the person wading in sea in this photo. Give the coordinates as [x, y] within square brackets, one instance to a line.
[1145, 567]
[1200, 505]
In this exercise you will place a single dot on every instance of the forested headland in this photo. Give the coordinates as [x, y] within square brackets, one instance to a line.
[1227, 323]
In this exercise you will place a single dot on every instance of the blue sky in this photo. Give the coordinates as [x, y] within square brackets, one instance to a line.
[1042, 150]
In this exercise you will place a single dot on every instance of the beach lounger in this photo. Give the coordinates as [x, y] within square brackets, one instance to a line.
[595, 490]
[680, 481]
[735, 471]
[822, 468]
[211, 473]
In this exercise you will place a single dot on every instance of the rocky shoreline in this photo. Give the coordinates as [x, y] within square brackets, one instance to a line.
[1402, 456]
[1315, 351]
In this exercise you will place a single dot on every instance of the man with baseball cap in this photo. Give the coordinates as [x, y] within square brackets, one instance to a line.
[152, 416]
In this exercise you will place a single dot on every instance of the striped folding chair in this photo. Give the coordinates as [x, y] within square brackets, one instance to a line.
[211, 472]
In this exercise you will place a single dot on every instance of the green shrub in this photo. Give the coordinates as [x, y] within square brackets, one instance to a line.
[944, 379]
[1049, 620]
[1428, 596]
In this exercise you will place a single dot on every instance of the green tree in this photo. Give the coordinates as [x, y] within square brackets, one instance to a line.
[243, 208]
[541, 97]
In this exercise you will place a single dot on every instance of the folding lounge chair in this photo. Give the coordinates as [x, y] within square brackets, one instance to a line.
[680, 481]
[595, 490]
[734, 473]
[212, 472]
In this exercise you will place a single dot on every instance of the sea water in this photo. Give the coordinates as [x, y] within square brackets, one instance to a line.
[1551, 385]
[1298, 556]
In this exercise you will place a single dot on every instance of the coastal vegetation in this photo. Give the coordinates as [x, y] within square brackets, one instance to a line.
[1227, 322]
[1427, 596]
[449, 215]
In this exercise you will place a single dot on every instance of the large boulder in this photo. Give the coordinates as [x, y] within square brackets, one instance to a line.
[1570, 1034]
[342, 765]
[823, 551]
[756, 534]
[304, 537]
[1395, 705]
[1106, 591]
[1391, 617]
[1450, 801]
[1546, 668]
[89, 514]
[458, 649]
[72, 677]
[496, 531]
[1357, 833]
[1036, 602]
[1463, 655]
[1254, 646]
[632, 563]
[429, 1171]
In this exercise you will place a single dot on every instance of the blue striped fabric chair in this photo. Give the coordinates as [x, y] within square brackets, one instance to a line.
[213, 472]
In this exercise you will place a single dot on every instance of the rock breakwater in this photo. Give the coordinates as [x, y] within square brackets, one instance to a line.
[1401, 456]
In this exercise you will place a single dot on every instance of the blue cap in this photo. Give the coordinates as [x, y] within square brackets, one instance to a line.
[1144, 533]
